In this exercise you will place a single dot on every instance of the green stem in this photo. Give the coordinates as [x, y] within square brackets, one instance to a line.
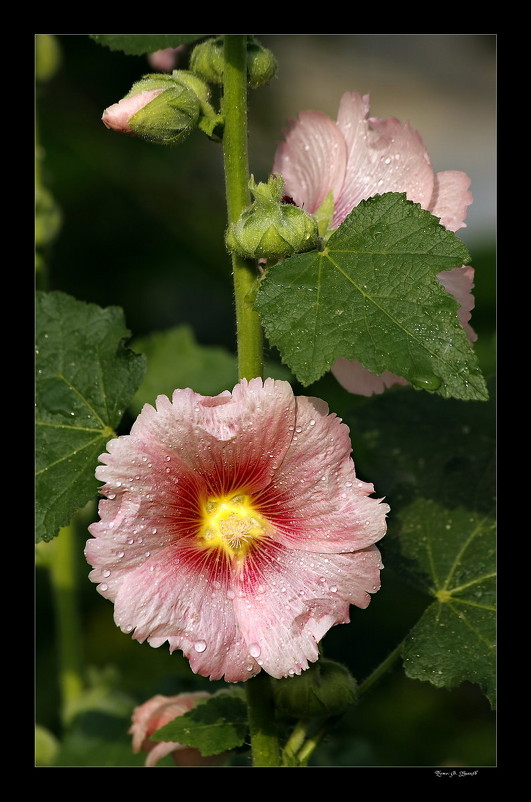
[296, 739]
[62, 565]
[264, 738]
[262, 725]
[380, 670]
[236, 161]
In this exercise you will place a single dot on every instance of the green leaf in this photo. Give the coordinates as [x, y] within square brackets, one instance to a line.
[433, 460]
[175, 360]
[372, 295]
[85, 379]
[455, 637]
[213, 726]
[137, 44]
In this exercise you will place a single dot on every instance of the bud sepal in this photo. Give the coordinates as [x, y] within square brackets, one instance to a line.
[326, 689]
[270, 229]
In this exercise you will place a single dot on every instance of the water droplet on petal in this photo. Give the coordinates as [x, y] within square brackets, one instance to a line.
[254, 650]
[230, 594]
[333, 588]
[104, 587]
[312, 423]
[200, 646]
[106, 573]
[120, 554]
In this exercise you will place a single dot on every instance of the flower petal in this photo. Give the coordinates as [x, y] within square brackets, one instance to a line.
[316, 502]
[450, 199]
[300, 595]
[356, 379]
[312, 160]
[231, 438]
[383, 156]
[459, 282]
[118, 115]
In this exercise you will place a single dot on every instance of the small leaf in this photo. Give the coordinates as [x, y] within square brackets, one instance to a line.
[138, 44]
[213, 726]
[85, 378]
[176, 360]
[372, 295]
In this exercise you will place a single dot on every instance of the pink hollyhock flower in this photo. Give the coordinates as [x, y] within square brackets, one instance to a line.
[358, 157]
[157, 712]
[118, 115]
[235, 528]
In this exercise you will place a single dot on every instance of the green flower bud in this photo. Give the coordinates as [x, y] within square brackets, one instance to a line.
[325, 689]
[161, 108]
[261, 64]
[207, 60]
[270, 229]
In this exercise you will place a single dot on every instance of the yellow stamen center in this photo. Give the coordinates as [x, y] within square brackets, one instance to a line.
[230, 523]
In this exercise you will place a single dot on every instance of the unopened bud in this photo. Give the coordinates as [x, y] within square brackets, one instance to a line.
[270, 229]
[160, 108]
[325, 689]
[207, 60]
[261, 64]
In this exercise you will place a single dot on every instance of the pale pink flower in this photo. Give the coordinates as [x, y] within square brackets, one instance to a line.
[165, 60]
[235, 528]
[356, 158]
[155, 713]
[118, 115]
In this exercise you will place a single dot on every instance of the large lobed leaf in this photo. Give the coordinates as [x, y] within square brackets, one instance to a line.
[455, 637]
[372, 295]
[84, 381]
[215, 725]
[138, 44]
[433, 459]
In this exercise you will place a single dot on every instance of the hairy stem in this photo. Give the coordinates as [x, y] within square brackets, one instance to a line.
[262, 724]
[264, 738]
[236, 162]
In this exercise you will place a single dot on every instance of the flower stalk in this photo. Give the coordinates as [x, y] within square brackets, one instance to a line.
[236, 163]
[264, 739]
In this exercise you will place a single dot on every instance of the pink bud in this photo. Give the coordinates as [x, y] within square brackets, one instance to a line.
[118, 115]
[155, 713]
[165, 60]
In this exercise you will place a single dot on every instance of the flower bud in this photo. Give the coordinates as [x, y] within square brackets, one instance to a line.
[160, 108]
[207, 60]
[270, 229]
[325, 689]
[154, 714]
[261, 64]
